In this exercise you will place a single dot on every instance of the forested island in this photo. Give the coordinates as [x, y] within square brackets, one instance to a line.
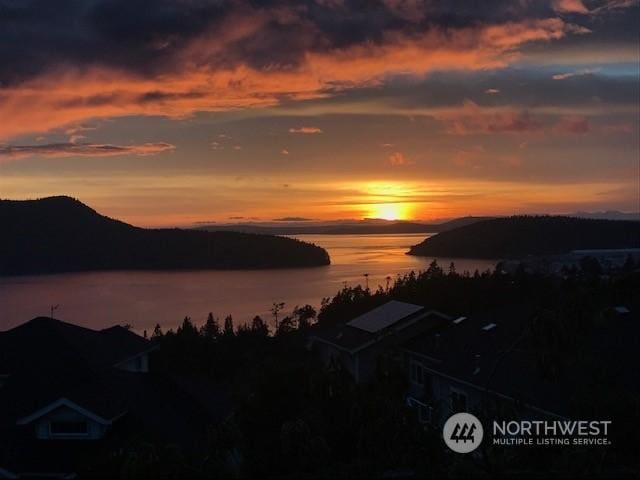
[61, 234]
[519, 236]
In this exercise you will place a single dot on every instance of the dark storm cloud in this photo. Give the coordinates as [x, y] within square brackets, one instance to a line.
[148, 37]
[71, 60]
[37, 35]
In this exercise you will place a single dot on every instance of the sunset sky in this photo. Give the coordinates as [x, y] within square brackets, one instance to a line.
[174, 112]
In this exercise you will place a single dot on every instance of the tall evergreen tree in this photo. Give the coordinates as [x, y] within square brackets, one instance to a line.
[228, 330]
[210, 330]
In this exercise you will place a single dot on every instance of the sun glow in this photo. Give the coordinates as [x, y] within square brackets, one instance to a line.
[390, 211]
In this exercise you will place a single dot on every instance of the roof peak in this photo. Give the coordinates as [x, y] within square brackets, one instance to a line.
[48, 321]
[51, 339]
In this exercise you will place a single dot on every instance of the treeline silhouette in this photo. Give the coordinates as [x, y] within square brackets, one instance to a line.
[519, 236]
[296, 418]
[61, 234]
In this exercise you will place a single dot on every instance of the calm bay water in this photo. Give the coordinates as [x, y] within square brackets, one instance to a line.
[144, 298]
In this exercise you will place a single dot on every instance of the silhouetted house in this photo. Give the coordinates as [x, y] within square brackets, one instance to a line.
[498, 364]
[66, 390]
[492, 364]
[360, 345]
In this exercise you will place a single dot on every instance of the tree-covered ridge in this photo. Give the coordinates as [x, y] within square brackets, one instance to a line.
[297, 418]
[530, 235]
[61, 234]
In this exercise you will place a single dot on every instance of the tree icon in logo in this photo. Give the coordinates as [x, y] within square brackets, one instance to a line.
[463, 433]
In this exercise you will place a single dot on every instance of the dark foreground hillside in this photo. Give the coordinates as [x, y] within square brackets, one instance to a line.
[60, 234]
[521, 236]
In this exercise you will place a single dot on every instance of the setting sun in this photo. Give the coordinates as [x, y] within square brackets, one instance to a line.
[390, 211]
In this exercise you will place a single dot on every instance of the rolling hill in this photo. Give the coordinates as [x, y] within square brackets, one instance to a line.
[362, 227]
[61, 234]
[514, 237]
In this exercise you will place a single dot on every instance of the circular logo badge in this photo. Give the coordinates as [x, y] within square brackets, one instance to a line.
[463, 433]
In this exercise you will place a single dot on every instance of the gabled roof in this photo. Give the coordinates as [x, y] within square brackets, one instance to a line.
[47, 343]
[54, 364]
[157, 408]
[48, 360]
[384, 316]
[62, 402]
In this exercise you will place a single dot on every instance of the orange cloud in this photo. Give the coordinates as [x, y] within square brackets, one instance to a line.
[569, 6]
[474, 120]
[477, 158]
[617, 128]
[200, 79]
[398, 159]
[72, 149]
[306, 130]
[572, 125]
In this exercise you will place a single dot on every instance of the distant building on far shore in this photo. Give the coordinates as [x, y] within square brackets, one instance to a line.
[610, 260]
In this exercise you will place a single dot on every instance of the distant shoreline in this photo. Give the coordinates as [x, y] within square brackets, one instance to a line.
[522, 236]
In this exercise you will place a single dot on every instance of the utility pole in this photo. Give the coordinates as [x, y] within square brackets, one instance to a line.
[53, 308]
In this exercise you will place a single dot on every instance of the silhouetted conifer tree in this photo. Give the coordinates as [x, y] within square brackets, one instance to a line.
[210, 330]
[259, 326]
[228, 330]
[157, 332]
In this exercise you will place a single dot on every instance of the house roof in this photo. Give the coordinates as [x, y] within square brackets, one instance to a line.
[54, 364]
[367, 329]
[157, 407]
[384, 316]
[62, 402]
[44, 340]
[47, 360]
